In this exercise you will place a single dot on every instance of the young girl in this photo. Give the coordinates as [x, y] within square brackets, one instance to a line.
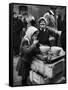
[46, 36]
[29, 48]
[43, 32]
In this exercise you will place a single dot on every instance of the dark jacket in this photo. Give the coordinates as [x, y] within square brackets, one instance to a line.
[17, 28]
[44, 37]
[63, 35]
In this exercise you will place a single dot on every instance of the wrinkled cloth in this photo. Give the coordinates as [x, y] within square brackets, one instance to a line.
[30, 31]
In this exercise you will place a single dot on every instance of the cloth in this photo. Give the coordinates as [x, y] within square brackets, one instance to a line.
[50, 18]
[44, 37]
[42, 18]
[17, 28]
[30, 31]
[63, 35]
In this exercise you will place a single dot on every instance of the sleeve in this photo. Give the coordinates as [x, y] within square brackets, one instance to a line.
[52, 33]
[26, 48]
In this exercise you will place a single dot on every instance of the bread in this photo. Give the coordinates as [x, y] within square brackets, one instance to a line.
[44, 49]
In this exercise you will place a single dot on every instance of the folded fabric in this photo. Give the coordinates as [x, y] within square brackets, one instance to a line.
[55, 51]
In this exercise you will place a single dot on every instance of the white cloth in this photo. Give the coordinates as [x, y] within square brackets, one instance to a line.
[42, 18]
[30, 31]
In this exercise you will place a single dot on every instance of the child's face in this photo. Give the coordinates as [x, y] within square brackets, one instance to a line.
[42, 24]
[34, 37]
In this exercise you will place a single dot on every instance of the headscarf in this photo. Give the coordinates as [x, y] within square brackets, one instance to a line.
[30, 31]
[42, 18]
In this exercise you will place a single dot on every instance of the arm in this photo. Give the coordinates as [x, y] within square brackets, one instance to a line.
[26, 48]
[54, 30]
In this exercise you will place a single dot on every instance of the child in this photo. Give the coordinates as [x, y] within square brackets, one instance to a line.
[43, 32]
[29, 48]
[46, 36]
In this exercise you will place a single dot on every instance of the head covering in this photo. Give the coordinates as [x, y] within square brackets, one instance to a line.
[30, 31]
[49, 16]
[42, 18]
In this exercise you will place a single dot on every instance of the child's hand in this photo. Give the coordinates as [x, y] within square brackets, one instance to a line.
[35, 42]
